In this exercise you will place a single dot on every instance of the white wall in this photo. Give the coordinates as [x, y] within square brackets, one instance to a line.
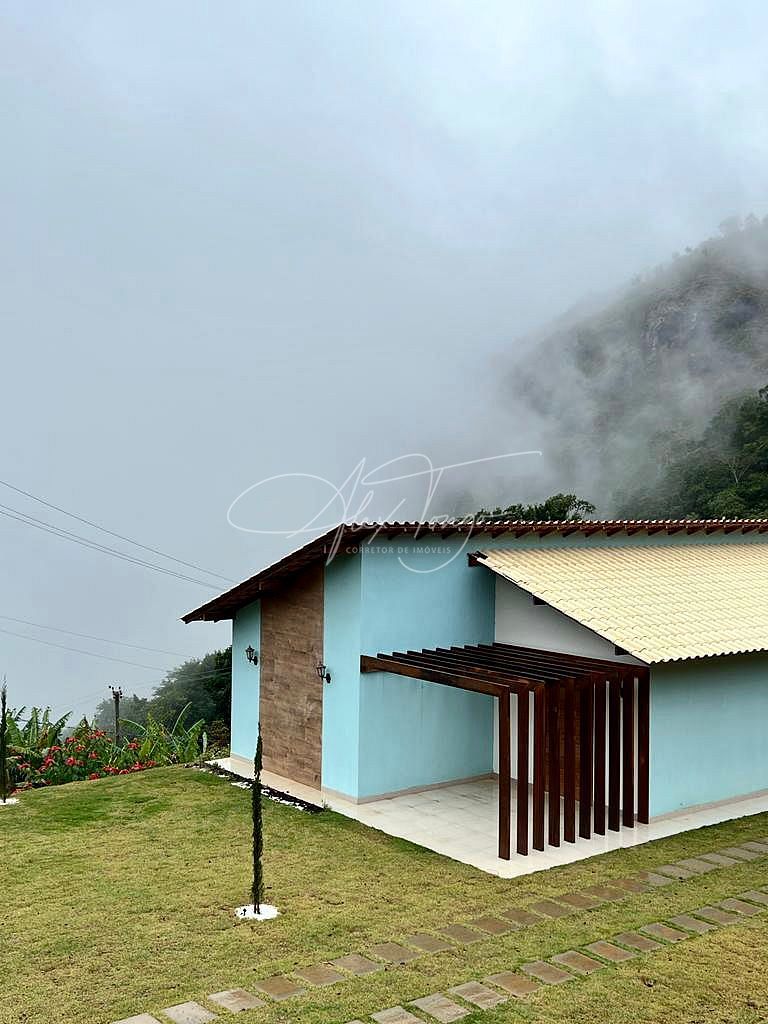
[520, 621]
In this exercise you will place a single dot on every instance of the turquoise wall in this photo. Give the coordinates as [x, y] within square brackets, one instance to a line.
[246, 630]
[708, 738]
[421, 594]
[341, 697]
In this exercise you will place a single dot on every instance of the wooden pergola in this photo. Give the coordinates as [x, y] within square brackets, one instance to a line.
[583, 736]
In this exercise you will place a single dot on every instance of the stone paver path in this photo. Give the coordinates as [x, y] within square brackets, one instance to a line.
[393, 952]
[515, 984]
[547, 973]
[441, 1008]
[188, 1013]
[279, 988]
[692, 924]
[485, 928]
[395, 1015]
[479, 995]
[235, 1000]
[321, 974]
[577, 962]
[608, 951]
[637, 941]
[356, 964]
[428, 943]
[140, 1018]
[662, 931]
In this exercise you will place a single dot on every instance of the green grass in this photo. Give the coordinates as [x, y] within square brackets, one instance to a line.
[117, 897]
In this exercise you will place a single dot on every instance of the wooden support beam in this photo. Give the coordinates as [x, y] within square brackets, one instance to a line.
[643, 745]
[614, 754]
[585, 759]
[553, 722]
[598, 800]
[505, 773]
[628, 751]
[569, 766]
[523, 705]
[384, 664]
[539, 764]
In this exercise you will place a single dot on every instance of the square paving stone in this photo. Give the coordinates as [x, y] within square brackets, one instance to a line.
[395, 1015]
[547, 973]
[492, 925]
[581, 901]
[578, 962]
[761, 848]
[652, 878]
[479, 995]
[279, 988]
[441, 1008]
[663, 931]
[141, 1018]
[356, 964]
[692, 924]
[548, 908]
[461, 933]
[235, 1000]
[428, 943]
[739, 854]
[675, 871]
[719, 859]
[716, 915]
[632, 884]
[605, 892]
[608, 951]
[698, 867]
[515, 984]
[189, 1013]
[637, 941]
[394, 953]
[740, 907]
[521, 918]
[319, 974]
[755, 896]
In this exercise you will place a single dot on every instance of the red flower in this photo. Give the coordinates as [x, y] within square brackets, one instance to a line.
[133, 745]
[93, 756]
[53, 750]
[94, 775]
[71, 762]
[69, 739]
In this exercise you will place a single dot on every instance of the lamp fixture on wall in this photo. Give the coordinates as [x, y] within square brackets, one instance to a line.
[323, 672]
[251, 655]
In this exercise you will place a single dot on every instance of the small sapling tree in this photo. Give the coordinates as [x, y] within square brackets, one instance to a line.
[257, 891]
[5, 782]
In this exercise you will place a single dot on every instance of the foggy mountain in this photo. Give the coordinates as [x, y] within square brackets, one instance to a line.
[616, 393]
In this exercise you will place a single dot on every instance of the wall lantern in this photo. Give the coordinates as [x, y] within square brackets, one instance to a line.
[323, 672]
[251, 655]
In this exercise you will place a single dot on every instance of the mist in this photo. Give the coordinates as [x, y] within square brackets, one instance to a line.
[247, 240]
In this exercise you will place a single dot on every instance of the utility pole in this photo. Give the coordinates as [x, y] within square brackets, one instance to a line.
[117, 693]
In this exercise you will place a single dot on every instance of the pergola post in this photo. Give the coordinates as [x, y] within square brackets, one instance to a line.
[505, 773]
[539, 764]
[522, 771]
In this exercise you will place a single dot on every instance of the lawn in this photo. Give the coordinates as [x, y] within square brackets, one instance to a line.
[116, 897]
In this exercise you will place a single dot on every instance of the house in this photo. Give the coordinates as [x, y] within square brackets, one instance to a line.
[609, 674]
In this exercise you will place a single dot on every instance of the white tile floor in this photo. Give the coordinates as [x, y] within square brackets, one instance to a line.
[460, 821]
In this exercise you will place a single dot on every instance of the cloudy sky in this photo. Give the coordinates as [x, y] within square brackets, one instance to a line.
[249, 239]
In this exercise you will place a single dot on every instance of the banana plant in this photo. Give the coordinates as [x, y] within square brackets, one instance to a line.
[180, 744]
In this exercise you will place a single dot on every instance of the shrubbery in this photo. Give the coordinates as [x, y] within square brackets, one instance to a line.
[39, 755]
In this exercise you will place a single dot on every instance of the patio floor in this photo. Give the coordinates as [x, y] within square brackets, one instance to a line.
[461, 821]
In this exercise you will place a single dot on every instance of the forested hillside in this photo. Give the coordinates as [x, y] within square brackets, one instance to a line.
[638, 403]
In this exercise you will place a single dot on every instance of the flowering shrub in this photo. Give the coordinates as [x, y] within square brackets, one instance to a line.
[40, 757]
[87, 754]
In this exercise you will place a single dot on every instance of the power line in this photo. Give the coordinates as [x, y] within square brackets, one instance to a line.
[77, 650]
[57, 531]
[111, 533]
[89, 636]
